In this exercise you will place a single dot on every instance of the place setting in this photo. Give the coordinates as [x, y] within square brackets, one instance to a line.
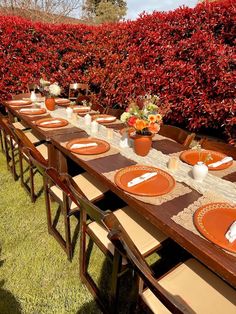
[19, 103]
[148, 184]
[218, 161]
[63, 102]
[32, 111]
[88, 146]
[51, 123]
[104, 118]
[217, 223]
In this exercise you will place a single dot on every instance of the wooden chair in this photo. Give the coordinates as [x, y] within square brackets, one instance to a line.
[41, 151]
[10, 146]
[20, 96]
[86, 185]
[146, 237]
[188, 288]
[221, 147]
[33, 87]
[77, 89]
[177, 134]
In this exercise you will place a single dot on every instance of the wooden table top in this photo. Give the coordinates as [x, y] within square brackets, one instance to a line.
[215, 258]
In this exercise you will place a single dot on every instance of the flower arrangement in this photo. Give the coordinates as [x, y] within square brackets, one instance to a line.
[54, 90]
[144, 114]
[202, 157]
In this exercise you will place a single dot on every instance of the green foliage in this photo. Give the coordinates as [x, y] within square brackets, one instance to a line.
[101, 11]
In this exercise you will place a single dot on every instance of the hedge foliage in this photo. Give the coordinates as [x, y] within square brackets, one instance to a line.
[187, 56]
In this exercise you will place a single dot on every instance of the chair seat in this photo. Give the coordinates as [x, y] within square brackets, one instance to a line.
[91, 187]
[145, 236]
[33, 139]
[19, 125]
[58, 193]
[43, 149]
[197, 287]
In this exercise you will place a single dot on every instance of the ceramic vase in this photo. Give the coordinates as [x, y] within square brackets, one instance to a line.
[142, 144]
[50, 103]
[199, 171]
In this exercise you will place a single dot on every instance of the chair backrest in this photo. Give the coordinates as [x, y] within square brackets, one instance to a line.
[76, 89]
[30, 150]
[177, 134]
[20, 96]
[124, 244]
[33, 87]
[6, 126]
[221, 147]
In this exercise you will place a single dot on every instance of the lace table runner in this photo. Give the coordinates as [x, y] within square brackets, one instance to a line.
[178, 190]
[158, 159]
[185, 217]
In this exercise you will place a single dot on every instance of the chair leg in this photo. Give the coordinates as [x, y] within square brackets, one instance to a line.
[31, 173]
[21, 168]
[48, 209]
[68, 236]
[13, 166]
[115, 281]
[1, 141]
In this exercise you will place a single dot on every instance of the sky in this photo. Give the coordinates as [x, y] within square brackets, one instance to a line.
[135, 7]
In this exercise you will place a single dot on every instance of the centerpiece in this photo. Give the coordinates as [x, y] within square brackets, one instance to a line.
[143, 117]
[53, 91]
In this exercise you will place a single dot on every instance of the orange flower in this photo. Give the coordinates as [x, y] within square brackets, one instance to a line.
[154, 127]
[158, 117]
[140, 124]
[152, 118]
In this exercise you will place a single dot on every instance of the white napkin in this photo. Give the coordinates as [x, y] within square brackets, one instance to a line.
[50, 122]
[105, 119]
[220, 162]
[29, 109]
[83, 145]
[142, 178]
[231, 233]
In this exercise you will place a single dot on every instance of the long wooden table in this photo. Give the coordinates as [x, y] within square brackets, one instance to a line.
[212, 256]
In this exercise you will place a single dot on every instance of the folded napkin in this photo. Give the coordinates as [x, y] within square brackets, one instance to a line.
[142, 178]
[50, 122]
[231, 233]
[220, 162]
[83, 145]
[105, 119]
[29, 109]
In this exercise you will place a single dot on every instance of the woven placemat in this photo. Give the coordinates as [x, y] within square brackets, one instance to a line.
[178, 190]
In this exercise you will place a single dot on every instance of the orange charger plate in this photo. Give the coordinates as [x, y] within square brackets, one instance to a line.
[213, 220]
[160, 184]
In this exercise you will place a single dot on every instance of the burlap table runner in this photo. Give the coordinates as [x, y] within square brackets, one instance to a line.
[185, 217]
[178, 190]
[111, 151]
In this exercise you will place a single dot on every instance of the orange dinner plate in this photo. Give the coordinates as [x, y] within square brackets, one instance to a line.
[32, 111]
[51, 122]
[18, 103]
[104, 118]
[191, 157]
[62, 101]
[81, 109]
[101, 147]
[160, 184]
[213, 221]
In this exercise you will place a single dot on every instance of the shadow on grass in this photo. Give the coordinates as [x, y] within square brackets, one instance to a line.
[8, 303]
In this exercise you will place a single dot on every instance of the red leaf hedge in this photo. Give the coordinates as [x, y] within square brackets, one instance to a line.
[186, 56]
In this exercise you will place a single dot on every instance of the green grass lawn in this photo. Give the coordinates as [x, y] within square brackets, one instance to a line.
[35, 275]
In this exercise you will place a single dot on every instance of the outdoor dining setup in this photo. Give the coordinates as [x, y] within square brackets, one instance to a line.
[174, 189]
